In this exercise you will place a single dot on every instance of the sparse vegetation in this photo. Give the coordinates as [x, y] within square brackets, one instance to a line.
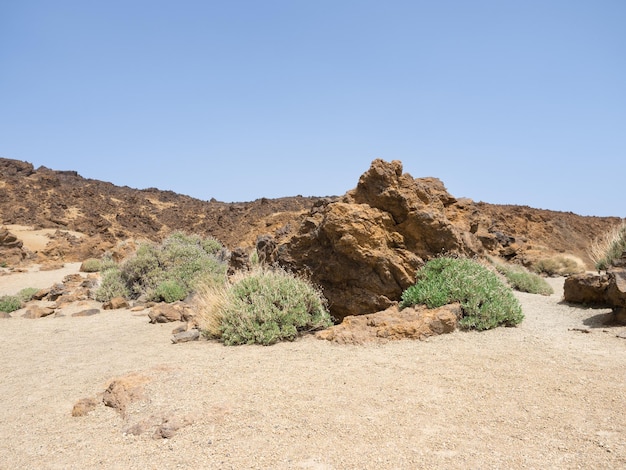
[521, 279]
[112, 285]
[91, 265]
[485, 300]
[609, 247]
[10, 303]
[557, 266]
[261, 307]
[165, 272]
[26, 294]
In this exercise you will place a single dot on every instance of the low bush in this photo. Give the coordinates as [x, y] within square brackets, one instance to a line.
[10, 303]
[557, 266]
[262, 307]
[91, 265]
[26, 294]
[112, 285]
[171, 270]
[609, 247]
[485, 300]
[521, 279]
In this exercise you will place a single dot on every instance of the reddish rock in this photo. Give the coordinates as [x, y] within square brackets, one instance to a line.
[36, 311]
[394, 324]
[165, 313]
[116, 303]
[365, 248]
[84, 406]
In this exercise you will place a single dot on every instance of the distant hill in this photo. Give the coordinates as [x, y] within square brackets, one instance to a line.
[107, 213]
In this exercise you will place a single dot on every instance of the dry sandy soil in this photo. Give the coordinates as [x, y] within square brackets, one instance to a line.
[542, 395]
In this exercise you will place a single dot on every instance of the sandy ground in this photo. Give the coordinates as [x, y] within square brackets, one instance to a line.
[539, 396]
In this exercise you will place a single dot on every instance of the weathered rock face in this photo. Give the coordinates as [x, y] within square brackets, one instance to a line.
[365, 248]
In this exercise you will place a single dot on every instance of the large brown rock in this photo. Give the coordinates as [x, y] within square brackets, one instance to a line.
[586, 288]
[365, 248]
[606, 290]
[416, 322]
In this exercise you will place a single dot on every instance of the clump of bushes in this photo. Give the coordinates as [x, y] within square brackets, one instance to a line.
[166, 272]
[261, 306]
[11, 303]
[609, 247]
[521, 279]
[485, 300]
[557, 266]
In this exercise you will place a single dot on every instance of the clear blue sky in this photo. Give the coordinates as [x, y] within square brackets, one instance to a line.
[506, 101]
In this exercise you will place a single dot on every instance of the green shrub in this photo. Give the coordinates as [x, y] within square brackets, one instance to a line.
[265, 307]
[170, 291]
[112, 285]
[10, 303]
[485, 300]
[557, 266]
[608, 247]
[91, 265]
[27, 293]
[107, 262]
[521, 279]
[172, 269]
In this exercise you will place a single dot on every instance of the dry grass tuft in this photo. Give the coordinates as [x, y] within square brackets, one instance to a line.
[608, 247]
[210, 300]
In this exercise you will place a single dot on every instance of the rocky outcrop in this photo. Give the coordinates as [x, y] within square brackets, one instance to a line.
[416, 322]
[601, 290]
[364, 249]
[11, 249]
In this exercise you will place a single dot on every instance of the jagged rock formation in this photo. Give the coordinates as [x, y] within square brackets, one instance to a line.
[365, 248]
[11, 249]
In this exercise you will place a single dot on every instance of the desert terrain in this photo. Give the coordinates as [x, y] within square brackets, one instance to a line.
[108, 389]
[546, 394]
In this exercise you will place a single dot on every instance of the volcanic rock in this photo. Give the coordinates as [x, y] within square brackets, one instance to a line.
[365, 248]
[416, 322]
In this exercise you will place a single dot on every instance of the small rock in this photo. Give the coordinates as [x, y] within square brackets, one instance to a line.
[115, 303]
[35, 311]
[165, 313]
[5, 315]
[84, 406]
[179, 329]
[86, 313]
[138, 308]
[185, 336]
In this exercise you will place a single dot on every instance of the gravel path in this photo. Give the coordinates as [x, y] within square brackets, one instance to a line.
[539, 396]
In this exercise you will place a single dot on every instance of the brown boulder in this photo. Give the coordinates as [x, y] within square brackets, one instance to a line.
[165, 313]
[115, 303]
[586, 288]
[11, 249]
[365, 248]
[393, 324]
[36, 311]
[122, 391]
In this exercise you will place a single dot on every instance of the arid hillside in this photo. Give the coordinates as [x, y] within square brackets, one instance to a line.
[107, 215]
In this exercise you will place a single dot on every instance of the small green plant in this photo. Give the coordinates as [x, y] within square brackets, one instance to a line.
[485, 300]
[521, 279]
[557, 266]
[609, 247]
[112, 285]
[26, 294]
[170, 291]
[91, 265]
[10, 303]
[263, 307]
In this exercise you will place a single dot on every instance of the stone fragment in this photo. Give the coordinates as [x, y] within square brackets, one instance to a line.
[185, 336]
[36, 311]
[115, 303]
[165, 313]
[86, 313]
[84, 406]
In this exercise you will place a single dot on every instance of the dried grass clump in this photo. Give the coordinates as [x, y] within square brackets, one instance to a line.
[608, 247]
[558, 266]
